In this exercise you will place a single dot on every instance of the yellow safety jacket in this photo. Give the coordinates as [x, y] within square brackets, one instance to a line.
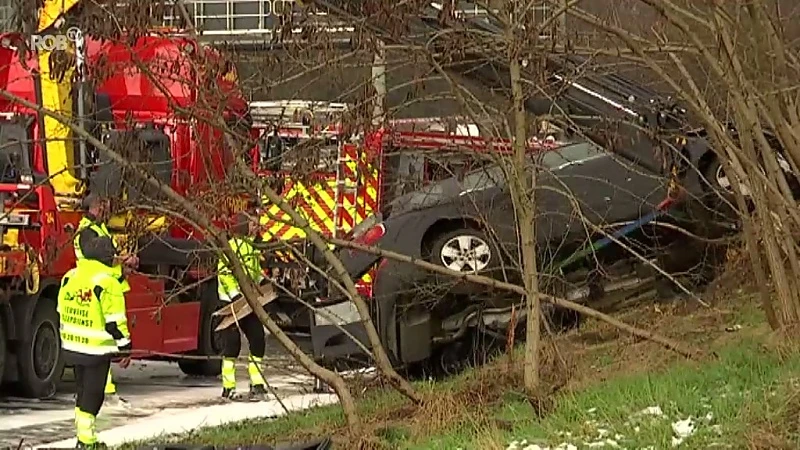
[102, 231]
[92, 324]
[228, 287]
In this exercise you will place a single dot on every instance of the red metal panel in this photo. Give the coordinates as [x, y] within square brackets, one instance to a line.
[181, 327]
[15, 75]
[145, 292]
[144, 304]
[145, 327]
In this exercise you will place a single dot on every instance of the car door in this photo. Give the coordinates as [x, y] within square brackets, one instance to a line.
[484, 196]
[585, 183]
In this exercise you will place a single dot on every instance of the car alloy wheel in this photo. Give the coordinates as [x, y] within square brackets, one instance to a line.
[466, 253]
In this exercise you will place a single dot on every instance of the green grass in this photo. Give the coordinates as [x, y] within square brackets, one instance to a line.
[746, 385]
[746, 394]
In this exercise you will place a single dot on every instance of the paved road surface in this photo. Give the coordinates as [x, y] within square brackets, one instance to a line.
[148, 386]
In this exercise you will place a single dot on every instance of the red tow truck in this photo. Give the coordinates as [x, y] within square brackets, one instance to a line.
[46, 170]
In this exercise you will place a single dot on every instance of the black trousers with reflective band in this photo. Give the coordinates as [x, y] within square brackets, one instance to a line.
[254, 332]
[90, 380]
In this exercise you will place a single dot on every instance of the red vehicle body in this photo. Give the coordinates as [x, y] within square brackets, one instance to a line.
[38, 219]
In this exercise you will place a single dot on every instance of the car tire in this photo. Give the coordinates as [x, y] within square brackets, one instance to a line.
[464, 250]
[208, 343]
[717, 193]
[40, 359]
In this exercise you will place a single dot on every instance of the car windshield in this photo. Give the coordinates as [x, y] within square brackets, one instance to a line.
[493, 176]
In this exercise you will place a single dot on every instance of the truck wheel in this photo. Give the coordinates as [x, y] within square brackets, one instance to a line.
[40, 359]
[208, 342]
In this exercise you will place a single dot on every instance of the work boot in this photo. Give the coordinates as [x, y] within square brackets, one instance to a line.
[95, 446]
[258, 393]
[115, 401]
[228, 393]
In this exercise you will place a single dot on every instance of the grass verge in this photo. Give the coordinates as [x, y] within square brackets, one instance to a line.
[610, 389]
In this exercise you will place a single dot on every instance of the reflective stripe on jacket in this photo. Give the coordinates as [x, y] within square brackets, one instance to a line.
[250, 257]
[87, 321]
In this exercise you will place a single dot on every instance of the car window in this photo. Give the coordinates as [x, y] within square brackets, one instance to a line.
[567, 154]
[486, 177]
[493, 176]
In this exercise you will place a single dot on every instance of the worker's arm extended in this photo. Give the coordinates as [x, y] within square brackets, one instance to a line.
[254, 261]
[62, 291]
[112, 303]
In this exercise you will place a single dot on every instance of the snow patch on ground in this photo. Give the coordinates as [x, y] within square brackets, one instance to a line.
[682, 429]
[523, 445]
[602, 435]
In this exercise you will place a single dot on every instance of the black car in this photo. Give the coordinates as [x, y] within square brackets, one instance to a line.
[466, 223]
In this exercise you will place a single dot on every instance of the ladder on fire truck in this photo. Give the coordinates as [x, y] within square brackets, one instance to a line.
[300, 119]
[308, 119]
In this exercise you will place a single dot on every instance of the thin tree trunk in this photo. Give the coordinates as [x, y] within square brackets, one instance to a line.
[522, 189]
[379, 83]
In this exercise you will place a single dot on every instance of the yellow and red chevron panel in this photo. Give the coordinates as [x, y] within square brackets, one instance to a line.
[316, 201]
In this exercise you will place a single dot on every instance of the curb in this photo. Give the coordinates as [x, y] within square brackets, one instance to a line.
[179, 421]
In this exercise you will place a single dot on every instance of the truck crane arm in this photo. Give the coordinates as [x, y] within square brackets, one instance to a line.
[53, 11]
[607, 95]
[56, 70]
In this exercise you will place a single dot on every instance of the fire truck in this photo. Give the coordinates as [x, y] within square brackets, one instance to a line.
[47, 170]
[319, 167]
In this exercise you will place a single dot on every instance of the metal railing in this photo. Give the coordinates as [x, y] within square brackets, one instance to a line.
[236, 17]
[256, 19]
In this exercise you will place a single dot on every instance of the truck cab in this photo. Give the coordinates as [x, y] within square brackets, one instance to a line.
[161, 116]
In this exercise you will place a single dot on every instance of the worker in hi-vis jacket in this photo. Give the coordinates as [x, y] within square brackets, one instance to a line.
[94, 331]
[245, 233]
[93, 226]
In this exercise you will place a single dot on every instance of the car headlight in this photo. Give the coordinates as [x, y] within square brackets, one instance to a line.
[365, 225]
